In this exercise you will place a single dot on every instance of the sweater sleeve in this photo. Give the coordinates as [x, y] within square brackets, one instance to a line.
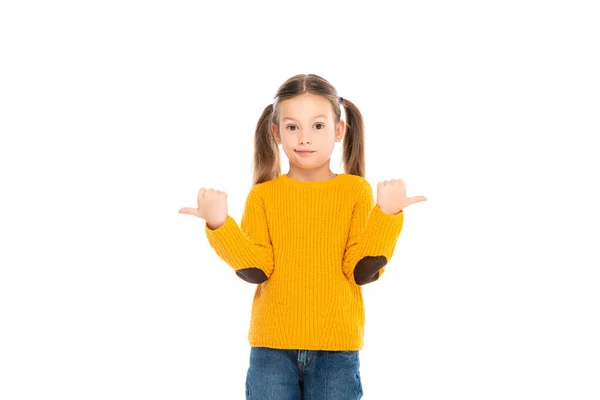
[246, 248]
[371, 240]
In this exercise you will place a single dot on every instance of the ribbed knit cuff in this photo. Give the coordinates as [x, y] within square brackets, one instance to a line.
[225, 237]
[382, 232]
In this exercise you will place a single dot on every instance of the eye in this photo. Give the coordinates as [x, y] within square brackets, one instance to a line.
[318, 123]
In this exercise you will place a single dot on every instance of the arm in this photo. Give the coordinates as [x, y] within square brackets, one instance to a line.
[246, 248]
[371, 240]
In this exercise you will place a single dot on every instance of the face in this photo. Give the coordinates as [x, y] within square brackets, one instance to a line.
[306, 122]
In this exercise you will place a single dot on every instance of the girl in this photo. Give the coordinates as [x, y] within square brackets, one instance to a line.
[309, 239]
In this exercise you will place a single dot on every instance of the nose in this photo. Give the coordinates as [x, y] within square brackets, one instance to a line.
[303, 138]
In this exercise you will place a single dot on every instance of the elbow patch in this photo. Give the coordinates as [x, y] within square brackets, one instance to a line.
[252, 275]
[367, 269]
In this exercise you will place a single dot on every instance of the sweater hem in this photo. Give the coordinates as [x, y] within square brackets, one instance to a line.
[302, 347]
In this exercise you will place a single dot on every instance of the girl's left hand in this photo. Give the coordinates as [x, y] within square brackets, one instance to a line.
[391, 196]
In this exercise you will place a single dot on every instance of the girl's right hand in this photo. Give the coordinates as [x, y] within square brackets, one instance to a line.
[212, 207]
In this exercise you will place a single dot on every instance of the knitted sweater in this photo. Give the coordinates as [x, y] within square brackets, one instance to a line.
[309, 247]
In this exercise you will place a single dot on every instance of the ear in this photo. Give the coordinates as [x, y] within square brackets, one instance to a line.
[339, 130]
[275, 133]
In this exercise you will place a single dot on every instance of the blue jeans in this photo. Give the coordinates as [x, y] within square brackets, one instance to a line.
[280, 374]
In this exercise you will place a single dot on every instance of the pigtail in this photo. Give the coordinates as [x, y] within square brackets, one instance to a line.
[353, 146]
[266, 164]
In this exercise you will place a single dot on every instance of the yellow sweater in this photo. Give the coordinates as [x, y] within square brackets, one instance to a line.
[309, 246]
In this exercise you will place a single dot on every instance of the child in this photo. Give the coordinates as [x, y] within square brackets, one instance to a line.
[309, 239]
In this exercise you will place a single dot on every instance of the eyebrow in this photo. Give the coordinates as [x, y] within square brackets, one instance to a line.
[318, 116]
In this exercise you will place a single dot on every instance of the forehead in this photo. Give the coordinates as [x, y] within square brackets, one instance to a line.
[305, 107]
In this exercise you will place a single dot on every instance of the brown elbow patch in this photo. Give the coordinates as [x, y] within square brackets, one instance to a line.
[252, 275]
[367, 269]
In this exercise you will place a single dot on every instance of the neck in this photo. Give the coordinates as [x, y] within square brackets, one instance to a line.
[310, 175]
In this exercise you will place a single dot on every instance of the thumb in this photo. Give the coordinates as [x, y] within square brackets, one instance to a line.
[190, 211]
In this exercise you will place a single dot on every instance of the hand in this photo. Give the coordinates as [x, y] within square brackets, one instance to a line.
[212, 207]
[391, 196]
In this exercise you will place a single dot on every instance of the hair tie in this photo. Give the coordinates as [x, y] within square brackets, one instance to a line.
[341, 100]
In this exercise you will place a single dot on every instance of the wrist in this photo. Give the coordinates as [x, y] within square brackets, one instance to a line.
[391, 212]
[212, 225]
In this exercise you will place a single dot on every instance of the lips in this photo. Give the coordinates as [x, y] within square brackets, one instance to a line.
[304, 151]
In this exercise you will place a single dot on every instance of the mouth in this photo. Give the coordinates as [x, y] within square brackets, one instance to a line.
[304, 151]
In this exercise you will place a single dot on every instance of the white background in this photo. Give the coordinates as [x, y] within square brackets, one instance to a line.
[113, 114]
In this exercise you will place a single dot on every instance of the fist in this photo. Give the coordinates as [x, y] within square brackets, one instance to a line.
[212, 207]
[391, 196]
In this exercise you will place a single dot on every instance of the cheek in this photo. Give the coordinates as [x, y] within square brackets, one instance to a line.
[329, 137]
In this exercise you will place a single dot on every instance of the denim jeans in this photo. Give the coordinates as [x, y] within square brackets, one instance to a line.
[281, 374]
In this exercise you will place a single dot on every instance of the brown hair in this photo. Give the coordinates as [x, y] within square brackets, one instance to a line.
[267, 165]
